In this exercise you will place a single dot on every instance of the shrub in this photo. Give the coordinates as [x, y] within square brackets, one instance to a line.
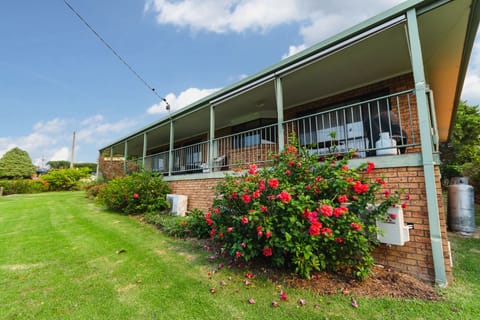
[15, 164]
[301, 213]
[22, 186]
[196, 226]
[137, 193]
[170, 225]
[65, 179]
[93, 189]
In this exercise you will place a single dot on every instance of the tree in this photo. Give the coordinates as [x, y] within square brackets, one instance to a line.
[60, 164]
[462, 152]
[15, 164]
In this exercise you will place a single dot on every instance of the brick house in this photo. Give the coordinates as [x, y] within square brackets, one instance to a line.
[397, 75]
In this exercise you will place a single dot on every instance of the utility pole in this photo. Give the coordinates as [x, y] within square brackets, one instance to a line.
[73, 150]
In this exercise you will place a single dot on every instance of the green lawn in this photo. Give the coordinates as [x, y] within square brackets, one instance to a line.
[61, 257]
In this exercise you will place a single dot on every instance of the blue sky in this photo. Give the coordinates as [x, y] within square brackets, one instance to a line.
[56, 77]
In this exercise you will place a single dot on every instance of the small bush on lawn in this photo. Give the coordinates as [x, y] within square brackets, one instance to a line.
[170, 225]
[93, 189]
[196, 226]
[65, 179]
[302, 213]
[137, 193]
[23, 186]
[192, 225]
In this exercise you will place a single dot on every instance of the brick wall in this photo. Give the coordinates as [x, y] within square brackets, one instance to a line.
[199, 191]
[414, 258]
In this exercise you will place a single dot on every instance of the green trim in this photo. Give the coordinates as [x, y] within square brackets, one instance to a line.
[404, 160]
[279, 100]
[170, 149]
[145, 146]
[212, 136]
[427, 150]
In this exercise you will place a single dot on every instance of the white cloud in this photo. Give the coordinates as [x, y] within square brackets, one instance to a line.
[294, 50]
[316, 20]
[224, 16]
[61, 154]
[182, 100]
[51, 139]
[471, 87]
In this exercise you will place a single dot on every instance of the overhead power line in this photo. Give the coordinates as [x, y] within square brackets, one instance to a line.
[152, 89]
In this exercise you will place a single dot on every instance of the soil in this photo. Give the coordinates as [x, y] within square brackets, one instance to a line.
[384, 282]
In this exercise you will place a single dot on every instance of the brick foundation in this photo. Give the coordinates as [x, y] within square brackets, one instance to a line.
[414, 258]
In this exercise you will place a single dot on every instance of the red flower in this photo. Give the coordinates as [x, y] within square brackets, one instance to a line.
[263, 208]
[315, 228]
[356, 226]
[261, 185]
[252, 169]
[135, 196]
[212, 233]
[249, 275]
[404, 205]
[283, 295]
[386, 193]
[246, 198]
[284, 196]
[238, 254]
[244, 220]
[229, 229]
[259, 232]
[268, 234]
[407, 197]
[326, 210]
[267, 252]
[380, 181]
[234, 195]
[338, 212]
[291, 149]
[312, 216]
[273, 183]
[256, 194]
[326, 232]
[343, 199]
[339, 240]
[393, 216]
[370, 167]
[307, 187]
[287, 172]
[345, 168]
[360, 187]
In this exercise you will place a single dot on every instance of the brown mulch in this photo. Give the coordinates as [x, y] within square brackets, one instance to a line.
[384, 282]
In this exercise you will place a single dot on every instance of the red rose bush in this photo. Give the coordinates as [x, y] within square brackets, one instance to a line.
[301, 213]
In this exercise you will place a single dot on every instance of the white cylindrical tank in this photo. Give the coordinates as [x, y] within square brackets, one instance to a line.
[461, 206]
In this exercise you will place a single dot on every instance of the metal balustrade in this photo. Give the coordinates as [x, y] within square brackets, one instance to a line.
[157, 162]
[358, 126]
[191, 159]
[252, 146]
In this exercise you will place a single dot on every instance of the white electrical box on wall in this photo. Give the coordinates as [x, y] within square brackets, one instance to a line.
[394, 229]
[178, 204]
